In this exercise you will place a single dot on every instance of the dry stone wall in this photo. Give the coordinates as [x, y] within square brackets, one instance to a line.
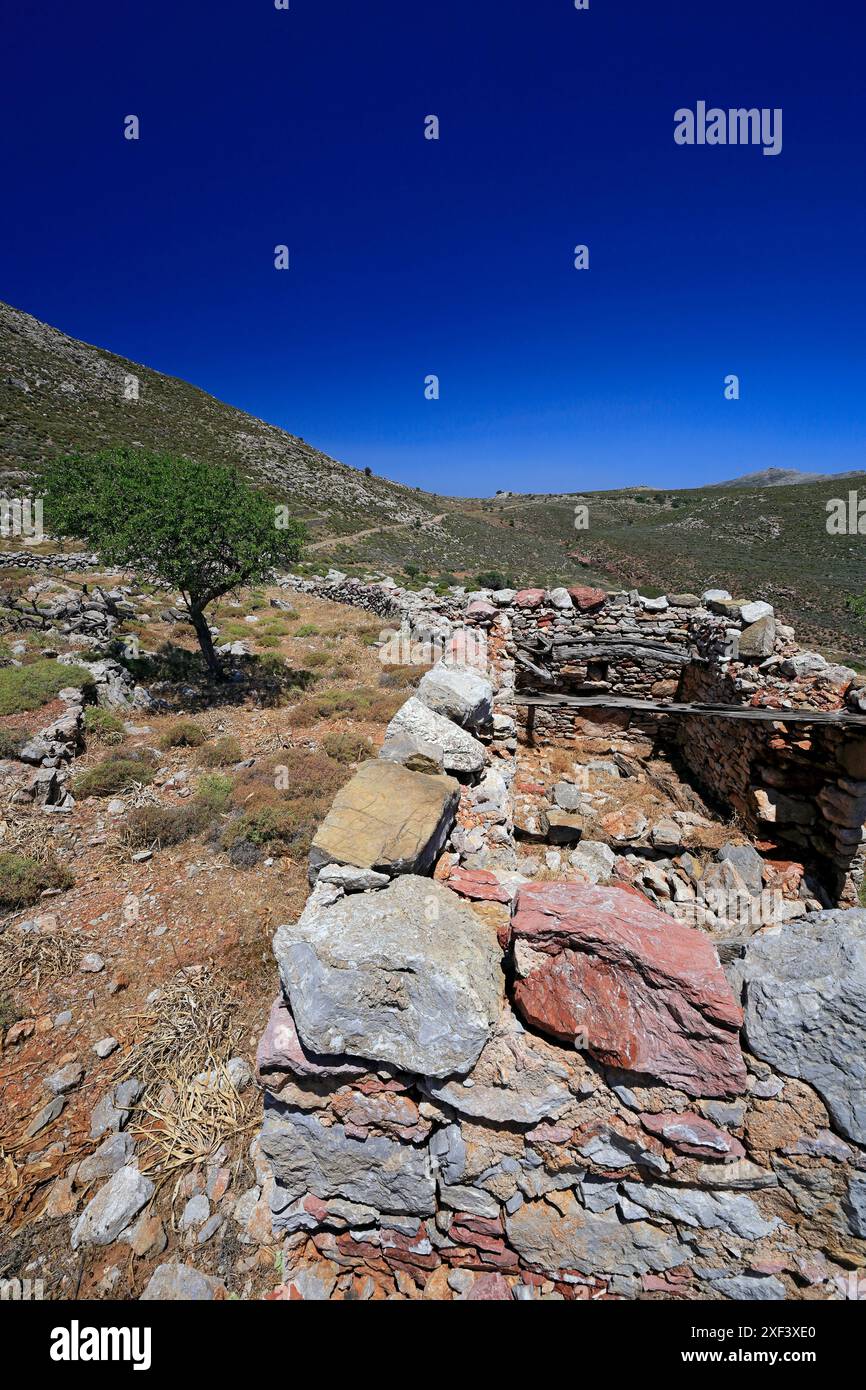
[484, 1087]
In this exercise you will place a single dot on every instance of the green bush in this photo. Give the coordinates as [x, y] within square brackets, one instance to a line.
[116, 773]
[103, 724]
[347, 746]
[23, 880]
[29, 687]
[183, 734]
[307, 630]
[160, 825]
[221, 753]
[214, 792]
[11, 740]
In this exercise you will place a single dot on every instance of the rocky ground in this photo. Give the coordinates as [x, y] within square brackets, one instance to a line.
[595, 1042]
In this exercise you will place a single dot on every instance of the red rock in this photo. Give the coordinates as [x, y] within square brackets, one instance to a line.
[480, 884]
[489, 1287]
[479, 608]
[529, 598]
[646, 993]
[691, 1134]
[586, 598]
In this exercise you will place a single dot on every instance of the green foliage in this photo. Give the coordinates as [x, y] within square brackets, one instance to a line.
[116, 773]
[492, 579]
[11, 740]
[224, 751]
[29, 687]
[23, 880]
[103, 724]
[214, 792]
[307, 630]
[346, 746]
[198, 527]
[183, 734]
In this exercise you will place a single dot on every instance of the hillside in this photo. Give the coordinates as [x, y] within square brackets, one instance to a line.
[764, 534]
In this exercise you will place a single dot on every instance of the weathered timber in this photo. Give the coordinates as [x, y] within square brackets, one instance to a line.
[781, 716]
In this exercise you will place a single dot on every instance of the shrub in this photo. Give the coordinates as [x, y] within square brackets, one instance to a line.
[214, 792]
[29, 687]
[23, 880]
[224, 751]
[160, 825]
[347, 746]
[183, 734]
[116, 773]
[11, 741]
[361, 701]
[103, 724]
[307, 630]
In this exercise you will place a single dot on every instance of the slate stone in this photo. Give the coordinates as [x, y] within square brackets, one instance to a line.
[806, 1008]
[408, 975]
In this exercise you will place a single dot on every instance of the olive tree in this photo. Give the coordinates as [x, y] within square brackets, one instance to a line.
[198, 527]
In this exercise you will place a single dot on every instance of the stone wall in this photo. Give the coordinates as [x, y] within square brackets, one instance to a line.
[478, 1086]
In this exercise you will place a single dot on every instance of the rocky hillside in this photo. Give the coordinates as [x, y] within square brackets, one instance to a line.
[764, 534]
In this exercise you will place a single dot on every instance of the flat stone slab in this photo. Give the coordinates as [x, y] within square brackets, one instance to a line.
[603, 969]
[806, 1008]
[388, 819]
[592, 1242]
[376, 1172]
[407, 975]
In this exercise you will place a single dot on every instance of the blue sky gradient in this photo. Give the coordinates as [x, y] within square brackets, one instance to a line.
[454, 257]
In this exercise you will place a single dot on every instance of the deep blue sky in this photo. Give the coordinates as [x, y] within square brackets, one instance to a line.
[410, 257]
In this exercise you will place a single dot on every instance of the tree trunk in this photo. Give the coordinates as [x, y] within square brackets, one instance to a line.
[205, 641]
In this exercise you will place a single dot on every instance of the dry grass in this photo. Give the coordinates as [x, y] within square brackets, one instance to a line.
[35, 956]
[192, 1028]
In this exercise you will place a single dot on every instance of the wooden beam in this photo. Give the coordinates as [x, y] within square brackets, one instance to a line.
[749, 712]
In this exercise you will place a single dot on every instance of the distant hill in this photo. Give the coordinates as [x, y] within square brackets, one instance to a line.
[761, 536]
[781, 477]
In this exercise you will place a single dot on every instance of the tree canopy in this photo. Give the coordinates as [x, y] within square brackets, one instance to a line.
[198, 527]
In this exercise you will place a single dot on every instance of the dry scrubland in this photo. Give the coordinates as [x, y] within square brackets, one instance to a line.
[180, 857]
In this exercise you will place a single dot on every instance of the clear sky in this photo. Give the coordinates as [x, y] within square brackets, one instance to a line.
[409, 257]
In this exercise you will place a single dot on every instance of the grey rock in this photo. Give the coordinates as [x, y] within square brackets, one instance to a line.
[758, 639]
[195, 1213]
[46, 1116]
[92, 963]
[112, 1111]
[753, 612]
[518, 1079]
[416, 722]
[726, 1211]
[352, 880]
[174, 1282]
[113, 1208]
[748, 863]
[448, 1153]
[567, 796]
[106, 1046]
[458, 693]
[593, 860]
[751, 1288]
[854, 1205]
[66, 1079]
[113, 1153]
[470, 1199]
[806, 1008]
[591, 1242]
[377, 1172]
[407, 975]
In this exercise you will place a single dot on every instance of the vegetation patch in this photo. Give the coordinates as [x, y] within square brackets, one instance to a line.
[222, 753]
[114, 774]
[23, 880]
[29, 687]
[103, 725]
[183, 734]
[347, 746]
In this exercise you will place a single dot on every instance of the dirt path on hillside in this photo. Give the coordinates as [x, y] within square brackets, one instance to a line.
[372, 531]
